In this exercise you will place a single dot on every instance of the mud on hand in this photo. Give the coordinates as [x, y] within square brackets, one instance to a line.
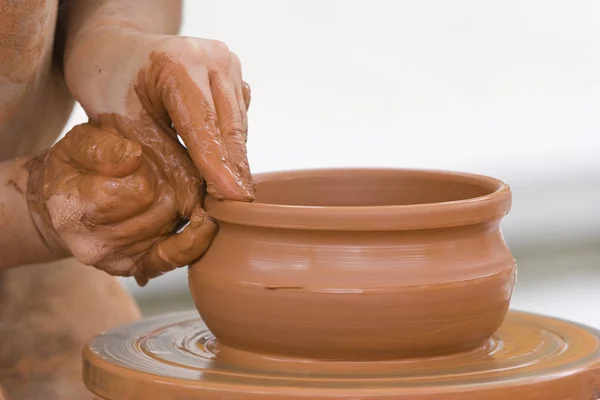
[108, 202]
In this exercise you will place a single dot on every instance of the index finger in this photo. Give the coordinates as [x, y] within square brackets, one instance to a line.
[233, 126]
[193, 114]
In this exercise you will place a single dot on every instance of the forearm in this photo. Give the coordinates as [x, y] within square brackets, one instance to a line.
[95, 33]
[144, 16]
[21, 242]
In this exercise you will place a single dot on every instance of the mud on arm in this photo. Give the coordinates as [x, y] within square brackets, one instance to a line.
[21, 242]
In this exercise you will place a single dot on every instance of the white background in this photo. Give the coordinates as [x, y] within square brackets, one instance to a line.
[506, 88]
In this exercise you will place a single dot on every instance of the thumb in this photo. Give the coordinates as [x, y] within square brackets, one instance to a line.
[100, 150]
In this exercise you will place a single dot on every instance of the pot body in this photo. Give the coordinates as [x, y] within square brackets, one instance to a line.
[349, 293]
[354, 295]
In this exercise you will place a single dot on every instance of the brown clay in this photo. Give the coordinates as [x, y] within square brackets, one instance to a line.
[175, 357]
[138, 164]
[213, 128]
[106, 199]
[357, 265]
[352, 284]
[141, 88]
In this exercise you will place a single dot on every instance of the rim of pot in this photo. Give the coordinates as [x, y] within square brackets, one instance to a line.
[491, 206]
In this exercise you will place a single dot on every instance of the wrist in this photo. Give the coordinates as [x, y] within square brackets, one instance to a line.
[38, 212]
[21, 242]
[100, 35]
[94, 66]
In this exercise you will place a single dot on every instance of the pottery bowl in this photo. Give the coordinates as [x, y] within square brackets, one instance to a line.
[358, 265]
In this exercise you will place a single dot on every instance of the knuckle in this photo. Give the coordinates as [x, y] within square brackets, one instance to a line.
[220, 54]
[143, 190]
[177, 44]
[220, 47]
[235, 60]
[178, 49]
[234, 130]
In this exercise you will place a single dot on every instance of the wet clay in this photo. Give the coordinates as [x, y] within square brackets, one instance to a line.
[105, 199]
[213, 127]
[171, 105]
[186, 87]
[357, 265]
[176, 357]
[124, 195]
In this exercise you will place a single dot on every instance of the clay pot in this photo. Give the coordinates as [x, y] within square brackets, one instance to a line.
[358, 265]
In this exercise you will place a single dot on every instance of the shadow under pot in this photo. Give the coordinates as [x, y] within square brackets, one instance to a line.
[357, 265]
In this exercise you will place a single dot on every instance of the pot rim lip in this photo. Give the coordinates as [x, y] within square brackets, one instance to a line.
[489, 207]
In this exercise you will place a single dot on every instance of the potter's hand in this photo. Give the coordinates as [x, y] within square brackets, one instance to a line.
[107, 200]
[152, 88]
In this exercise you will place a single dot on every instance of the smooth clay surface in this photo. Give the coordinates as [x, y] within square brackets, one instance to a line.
[357, 265]
[175, 357]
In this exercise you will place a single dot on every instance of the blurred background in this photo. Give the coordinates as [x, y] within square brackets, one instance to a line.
[506, 88]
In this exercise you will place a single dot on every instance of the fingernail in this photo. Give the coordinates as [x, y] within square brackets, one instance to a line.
[248, 194]
[141, 281]
[244, 192]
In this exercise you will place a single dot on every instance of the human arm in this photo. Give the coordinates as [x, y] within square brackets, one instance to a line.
[21, 242]
[127, 70]
[145, 16]
[105, 200]
[155, 88]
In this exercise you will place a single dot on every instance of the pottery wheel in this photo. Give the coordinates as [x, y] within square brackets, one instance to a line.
[176, 357]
